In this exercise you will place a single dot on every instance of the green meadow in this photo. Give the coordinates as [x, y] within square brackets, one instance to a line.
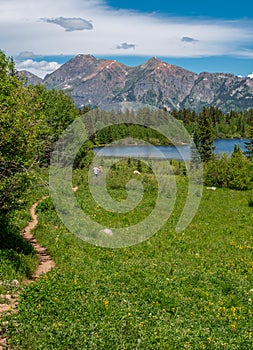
[187, 290]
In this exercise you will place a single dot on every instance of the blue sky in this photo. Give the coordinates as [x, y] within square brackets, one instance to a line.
[212, 9]
[214, 36]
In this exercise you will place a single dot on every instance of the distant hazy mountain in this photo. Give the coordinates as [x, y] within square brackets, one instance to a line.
[92, 81]
[30, 78]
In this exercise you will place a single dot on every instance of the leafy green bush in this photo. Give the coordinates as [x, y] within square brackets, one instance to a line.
[45, 205]
[233, 172]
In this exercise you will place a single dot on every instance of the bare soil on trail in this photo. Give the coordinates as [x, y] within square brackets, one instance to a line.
[45, 264]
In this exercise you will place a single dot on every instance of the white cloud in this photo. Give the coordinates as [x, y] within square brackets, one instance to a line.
[187, 39]
[125, 46]
[40, 68]
[70, 24]
[22, 30]
[244, 53]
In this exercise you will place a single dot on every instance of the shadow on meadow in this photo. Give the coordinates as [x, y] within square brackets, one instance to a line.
[16, 254]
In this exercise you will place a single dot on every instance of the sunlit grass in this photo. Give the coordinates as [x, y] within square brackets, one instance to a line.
[188, 290]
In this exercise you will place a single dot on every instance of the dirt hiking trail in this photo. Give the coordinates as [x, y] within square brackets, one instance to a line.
[45, 264]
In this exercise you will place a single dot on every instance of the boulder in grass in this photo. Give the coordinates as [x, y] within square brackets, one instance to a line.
[108, 232]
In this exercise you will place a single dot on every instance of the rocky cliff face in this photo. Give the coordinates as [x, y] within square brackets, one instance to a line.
[225, 91]
[92, 81]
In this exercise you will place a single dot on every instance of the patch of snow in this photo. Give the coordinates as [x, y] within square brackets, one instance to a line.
[67, 86]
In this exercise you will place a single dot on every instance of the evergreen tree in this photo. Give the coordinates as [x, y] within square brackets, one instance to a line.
[195, 156]
[240, 170]
[249, 144]
[233, 172]
[205, 135]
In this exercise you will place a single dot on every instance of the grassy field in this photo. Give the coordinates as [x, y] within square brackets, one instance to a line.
[192, 290]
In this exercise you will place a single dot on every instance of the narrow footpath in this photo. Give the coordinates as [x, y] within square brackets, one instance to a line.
[45, 265]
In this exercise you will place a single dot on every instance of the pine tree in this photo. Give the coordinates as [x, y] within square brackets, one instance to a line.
[240, 170]
[249, 144]
[195, 156]
[205, 135]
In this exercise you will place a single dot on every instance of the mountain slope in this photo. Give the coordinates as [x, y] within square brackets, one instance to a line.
[157, 83]
[225, 91]
[30, 78]
[92, 81]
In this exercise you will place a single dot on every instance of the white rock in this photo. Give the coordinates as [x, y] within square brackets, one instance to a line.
[108, 232]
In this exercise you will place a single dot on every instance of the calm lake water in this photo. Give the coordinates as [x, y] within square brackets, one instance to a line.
[168, 152]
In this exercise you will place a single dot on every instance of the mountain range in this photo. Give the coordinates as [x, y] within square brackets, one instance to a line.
[98, 82]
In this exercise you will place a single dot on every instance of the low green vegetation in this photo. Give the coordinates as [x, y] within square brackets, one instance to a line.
[188, 290]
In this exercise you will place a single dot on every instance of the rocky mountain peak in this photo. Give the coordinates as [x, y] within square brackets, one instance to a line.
[92, 81]
[151, 63]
